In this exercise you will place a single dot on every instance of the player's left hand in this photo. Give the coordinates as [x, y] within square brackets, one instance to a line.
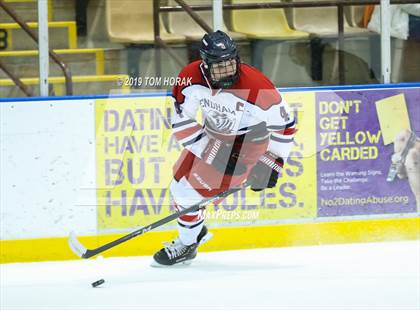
[266, 172]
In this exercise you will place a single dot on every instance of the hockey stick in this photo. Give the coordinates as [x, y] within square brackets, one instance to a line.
[77, 247]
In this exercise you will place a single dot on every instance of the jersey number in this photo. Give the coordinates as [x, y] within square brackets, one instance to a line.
[284, 114]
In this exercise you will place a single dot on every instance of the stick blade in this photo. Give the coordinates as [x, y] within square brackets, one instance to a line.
[76, 246]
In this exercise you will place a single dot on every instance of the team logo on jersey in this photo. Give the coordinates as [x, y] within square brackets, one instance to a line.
[220, 122]
[284, 114]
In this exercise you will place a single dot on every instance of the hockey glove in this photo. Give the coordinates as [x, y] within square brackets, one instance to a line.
[265, 172]
[222, 157]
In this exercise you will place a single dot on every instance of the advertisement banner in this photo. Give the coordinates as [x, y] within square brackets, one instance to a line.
[338, 166]
[356, 131]
[135, 152]
[134, 156]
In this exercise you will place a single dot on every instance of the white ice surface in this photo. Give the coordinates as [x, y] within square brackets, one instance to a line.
[357, 276]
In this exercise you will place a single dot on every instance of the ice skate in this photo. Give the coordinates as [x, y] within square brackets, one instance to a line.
[176, 252]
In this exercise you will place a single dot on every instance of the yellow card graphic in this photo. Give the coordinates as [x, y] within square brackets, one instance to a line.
[393, 117]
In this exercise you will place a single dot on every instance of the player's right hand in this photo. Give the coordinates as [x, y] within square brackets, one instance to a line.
[265, 172]
[222, 157]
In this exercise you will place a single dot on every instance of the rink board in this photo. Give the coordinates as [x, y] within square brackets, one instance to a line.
[101, 165]
[225, 238]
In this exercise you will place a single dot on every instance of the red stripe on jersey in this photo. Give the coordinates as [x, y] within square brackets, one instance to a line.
[191, 218]
[184, 164]
[190, 71]
[254, 87]
[180, 135]
[289, 131]
[286, 132]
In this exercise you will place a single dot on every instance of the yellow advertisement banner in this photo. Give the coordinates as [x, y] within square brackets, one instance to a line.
[135, 152]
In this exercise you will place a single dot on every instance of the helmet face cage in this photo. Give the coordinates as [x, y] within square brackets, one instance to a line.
[223, 70]
[223, 74]
[221, 61]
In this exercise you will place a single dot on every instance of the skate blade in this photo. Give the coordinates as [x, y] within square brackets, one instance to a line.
[206, 238]
[186, 263]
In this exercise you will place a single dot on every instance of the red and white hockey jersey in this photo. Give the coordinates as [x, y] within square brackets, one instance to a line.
[252, 107]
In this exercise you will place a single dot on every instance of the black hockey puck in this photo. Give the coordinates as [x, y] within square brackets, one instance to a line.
[97, 283]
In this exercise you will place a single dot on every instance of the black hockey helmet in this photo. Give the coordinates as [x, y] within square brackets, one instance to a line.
[220, 58]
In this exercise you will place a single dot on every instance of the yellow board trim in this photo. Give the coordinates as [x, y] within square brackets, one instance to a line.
[226, 238]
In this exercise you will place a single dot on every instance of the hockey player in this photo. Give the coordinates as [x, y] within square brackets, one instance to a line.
[246, 132]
